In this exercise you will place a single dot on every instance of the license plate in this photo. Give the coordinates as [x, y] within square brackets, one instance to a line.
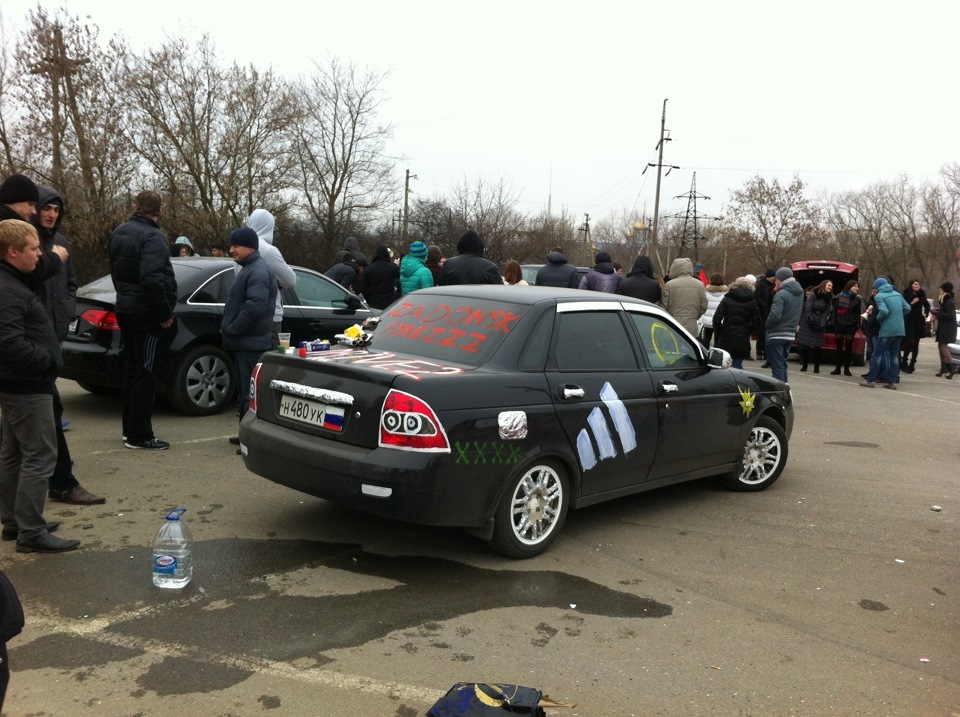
[312, 412]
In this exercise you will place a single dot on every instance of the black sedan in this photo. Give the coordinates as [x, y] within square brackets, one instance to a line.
[199, 378]
[498, 409]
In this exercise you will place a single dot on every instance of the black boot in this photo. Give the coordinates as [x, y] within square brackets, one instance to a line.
[836, 371]
[911, 367]
[943, 369]
[951, 371]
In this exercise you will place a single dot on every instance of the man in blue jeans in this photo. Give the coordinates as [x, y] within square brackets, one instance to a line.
[891, 309]
[782, 321]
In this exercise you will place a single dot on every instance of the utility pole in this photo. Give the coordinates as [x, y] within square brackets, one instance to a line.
[59, 68]
[406, 208]
[660, 165]
[585, 228]
[690, 231]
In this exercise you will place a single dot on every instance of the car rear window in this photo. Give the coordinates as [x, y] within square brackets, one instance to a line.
[446, 328]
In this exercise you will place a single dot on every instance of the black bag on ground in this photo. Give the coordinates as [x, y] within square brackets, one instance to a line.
[11, 611]
[474, 699]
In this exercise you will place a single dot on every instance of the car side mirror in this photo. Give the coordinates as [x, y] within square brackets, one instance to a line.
[353, 302]
[718, 358]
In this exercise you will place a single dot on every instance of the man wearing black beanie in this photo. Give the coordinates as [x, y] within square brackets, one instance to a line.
[470, 267]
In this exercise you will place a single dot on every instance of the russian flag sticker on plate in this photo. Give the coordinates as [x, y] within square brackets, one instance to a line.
[333, 418]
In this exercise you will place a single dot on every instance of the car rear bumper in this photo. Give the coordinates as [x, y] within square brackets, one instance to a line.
[415, 487]
[91, 363]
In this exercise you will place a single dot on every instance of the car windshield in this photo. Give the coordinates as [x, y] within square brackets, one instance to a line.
[446, 328]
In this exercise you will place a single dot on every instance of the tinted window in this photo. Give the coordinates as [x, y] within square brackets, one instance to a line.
[314, 290]
[593, 341]
[445, 328]
[215, 290]
[663, 345]
[534, 353]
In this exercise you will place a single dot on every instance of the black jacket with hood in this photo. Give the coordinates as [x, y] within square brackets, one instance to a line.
[470, 267]
[557, 272]
[640, 282]
[380, 282]
[59, 292]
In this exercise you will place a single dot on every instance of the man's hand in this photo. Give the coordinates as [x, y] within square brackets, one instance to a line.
[167, 324]
[62, 252]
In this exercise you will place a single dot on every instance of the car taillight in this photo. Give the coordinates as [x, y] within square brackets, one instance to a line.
[409, 424]
[100, 319]
[254, 379]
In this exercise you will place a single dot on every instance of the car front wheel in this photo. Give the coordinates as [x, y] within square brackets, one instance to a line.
[532, 511]
[764, 457]
[202, 382]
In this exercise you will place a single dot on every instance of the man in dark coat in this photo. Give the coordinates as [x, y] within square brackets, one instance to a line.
[30, 361]
[640, 282]
[764, 294]
[380, 283]
[470, 267]
[603, 277]
[247, 324]
[146, 296]
[557, 272]
[344, 272]
[58, 295]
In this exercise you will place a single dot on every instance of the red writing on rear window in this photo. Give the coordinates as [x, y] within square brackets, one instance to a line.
[495, 320]
[440, 335]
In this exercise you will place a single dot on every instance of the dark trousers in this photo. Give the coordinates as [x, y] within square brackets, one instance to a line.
[244, 362]
[4, 672]
[62, 478]
[145, 346]
[844, 350]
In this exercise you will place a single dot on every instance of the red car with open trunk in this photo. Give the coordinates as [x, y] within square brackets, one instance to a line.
[811, 273]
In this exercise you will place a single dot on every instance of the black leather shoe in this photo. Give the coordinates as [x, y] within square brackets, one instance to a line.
[78, 495]
[11, 532]
[235, 441]
[46, 543]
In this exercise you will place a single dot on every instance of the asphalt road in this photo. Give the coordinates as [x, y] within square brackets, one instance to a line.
[836, 592]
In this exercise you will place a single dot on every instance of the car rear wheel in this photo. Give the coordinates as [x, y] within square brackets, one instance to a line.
[764, 457]
[202, 382]
[531, 511]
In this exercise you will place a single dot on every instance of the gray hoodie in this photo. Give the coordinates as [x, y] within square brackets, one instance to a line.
[262, 222]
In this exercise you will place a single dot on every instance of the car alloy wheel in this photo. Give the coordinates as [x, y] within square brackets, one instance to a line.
[532, 511]
[202, 382]
[764, 457]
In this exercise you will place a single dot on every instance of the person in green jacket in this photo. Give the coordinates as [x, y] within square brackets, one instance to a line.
[413, 272]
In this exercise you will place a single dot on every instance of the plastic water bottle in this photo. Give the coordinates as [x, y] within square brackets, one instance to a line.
[172, 559]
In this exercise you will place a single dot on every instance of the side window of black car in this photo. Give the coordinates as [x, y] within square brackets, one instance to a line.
[663, 345]
[312, 290]
[593, 341]
[534, 353]
[215, 290]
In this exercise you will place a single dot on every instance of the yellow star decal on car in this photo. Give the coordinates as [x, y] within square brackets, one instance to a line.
[747, 403]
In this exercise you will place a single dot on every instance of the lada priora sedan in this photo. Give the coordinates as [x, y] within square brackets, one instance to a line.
[498, 409]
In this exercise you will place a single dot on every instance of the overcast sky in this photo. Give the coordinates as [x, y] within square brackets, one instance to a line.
[564, 99]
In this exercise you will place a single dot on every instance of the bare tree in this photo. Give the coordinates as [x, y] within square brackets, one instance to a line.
[490, 209]
[215, 137]
[772, 222]
[340, 143]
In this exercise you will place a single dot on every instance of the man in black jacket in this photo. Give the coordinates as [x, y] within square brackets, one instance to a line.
[557, 272]
[146, 295]
[30, 360]
[58, 295]
[470, 267]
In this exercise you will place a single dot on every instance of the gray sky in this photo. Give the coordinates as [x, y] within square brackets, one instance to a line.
[569, 96]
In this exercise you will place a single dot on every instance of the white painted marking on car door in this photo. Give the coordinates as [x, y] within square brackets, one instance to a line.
[621, 419]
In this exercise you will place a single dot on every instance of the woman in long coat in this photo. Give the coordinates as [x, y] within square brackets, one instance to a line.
[946, 329]
[813, 323]
[736, 318]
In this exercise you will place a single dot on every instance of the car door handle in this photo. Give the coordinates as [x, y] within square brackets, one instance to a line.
[317, 325]
[669, 387]
[571, 392]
